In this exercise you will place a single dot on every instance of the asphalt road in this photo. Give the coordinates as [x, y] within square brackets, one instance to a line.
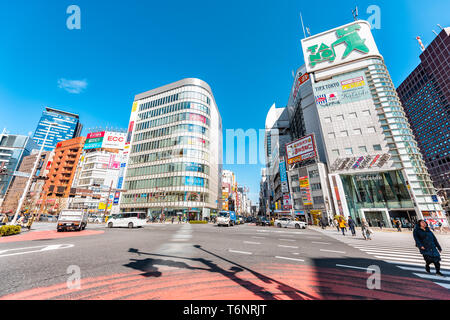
[189, 262]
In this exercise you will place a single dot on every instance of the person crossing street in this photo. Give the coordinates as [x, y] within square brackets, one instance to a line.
[429, 246]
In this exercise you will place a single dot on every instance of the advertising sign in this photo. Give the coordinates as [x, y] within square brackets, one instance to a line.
[114, 140]
[342, 89]
[341, 45]
[116, 197]
[305, 191]
[287, 202]
[301, 150]
[283, 177]
[301, 79]
[194, 181]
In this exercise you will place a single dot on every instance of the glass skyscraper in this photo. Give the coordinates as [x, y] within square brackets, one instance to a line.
[68, 127]
[425, 95]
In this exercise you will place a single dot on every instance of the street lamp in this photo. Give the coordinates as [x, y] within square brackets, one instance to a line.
[27, 187]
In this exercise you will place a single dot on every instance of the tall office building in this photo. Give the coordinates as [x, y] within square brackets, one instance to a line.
[376, 170]
[67, 126]
[13, 148]
[425, 95]
[174, 142]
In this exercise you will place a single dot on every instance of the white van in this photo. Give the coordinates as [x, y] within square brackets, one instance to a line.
[127, 219]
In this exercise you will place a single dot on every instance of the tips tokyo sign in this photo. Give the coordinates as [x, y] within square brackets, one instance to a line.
[341, 45]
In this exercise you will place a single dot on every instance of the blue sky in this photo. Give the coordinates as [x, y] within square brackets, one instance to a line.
[246, 50]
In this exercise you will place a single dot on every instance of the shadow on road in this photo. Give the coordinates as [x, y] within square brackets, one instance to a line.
[148, 266]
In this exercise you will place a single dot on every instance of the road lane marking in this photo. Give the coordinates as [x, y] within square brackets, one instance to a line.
[258, 237]
[242, 252]
[353, 267]
[332, 251]
[408, 260]
[321, 242]
[293, 259]
[432, 277]
[287, 246]
[420, 269]
[250, 242]
[44, 248]
[445, 285]
[291, 240]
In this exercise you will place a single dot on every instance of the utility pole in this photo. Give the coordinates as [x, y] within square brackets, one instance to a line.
[33, 171]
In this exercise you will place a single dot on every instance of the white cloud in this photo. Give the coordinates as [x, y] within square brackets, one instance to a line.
[72, 86]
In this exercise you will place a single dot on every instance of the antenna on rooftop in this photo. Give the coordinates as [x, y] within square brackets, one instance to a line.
[419, 40]
[303, 26]
[440, 26]
[355, 13]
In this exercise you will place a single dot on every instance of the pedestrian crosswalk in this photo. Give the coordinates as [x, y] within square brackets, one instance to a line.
[400, 251]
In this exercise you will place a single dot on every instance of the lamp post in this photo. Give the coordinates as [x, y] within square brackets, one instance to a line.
[33, 171]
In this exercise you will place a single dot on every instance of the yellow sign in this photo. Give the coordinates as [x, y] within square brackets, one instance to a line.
[316, 212]
[135, 105]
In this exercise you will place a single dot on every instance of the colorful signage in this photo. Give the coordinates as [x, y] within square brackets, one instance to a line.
[283, 177]
[301, 79]
[340, 45]
[305, 191]
[301, 150]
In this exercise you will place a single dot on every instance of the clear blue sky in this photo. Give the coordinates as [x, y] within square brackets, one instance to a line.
[246, 50]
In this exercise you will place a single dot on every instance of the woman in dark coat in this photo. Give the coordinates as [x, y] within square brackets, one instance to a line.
[428, 245]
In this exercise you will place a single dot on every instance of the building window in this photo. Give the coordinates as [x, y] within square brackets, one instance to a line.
[362, 149]
[352, 115]
[335, 152]
[340, 117]
[344, 133]
[371, 130]
[357, 132]
[348, 151]
[366, 113]
[377, 147]
[328, 120]
[331, 135]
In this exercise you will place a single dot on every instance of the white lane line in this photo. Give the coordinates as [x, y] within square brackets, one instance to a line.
[250, 242]
[352, 267]
[295, 253]
[445, 285]
[332, 251]
[258, 237]
[241, 252]
[432, 276]
[408, 260]
[281, 246]
[44, 248]
[293, 259]
[291, 240]
[408, 255]
[314, 237]
[320, 242]
[421, 269]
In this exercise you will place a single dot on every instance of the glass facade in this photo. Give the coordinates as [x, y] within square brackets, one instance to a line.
[68, 127]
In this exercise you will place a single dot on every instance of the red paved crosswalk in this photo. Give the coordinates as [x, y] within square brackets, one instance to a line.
[49, 234]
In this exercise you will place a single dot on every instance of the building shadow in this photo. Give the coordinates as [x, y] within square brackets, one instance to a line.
[355, 279]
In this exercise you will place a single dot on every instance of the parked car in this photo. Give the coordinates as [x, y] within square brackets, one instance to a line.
[289, 223]
[95, 219]
[249, 220]
[72, 220]
[127, 219]
[263, 221]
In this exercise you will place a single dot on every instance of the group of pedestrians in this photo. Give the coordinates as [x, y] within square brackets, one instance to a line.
[24, 220]
[341, 224]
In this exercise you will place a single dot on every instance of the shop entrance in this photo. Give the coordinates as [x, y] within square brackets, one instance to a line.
[374, 217]
[405, 216]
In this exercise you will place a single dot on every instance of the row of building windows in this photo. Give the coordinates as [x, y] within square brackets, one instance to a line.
[175, 97]
[351, 115]
[166, 197]
[170, 142]
[178, 181]
[170, 130]
[361, 149]
[168, 168]
[169, 154]
[171, 119]
[357, 132]
[174, 108]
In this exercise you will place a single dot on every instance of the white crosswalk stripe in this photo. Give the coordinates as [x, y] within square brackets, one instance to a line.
[403, 255]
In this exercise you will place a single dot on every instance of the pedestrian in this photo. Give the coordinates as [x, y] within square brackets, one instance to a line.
[179, 219]
[440, 227]
[380, 224]
[365, 230]
[30, 221]
[342, 225]
[399, 227]
[173, 219]
[336, 224]
[429, 246]
[352, 225]
[5, 219]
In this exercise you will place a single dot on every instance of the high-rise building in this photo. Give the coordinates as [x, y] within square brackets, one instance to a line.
[57, 189]
[13, 148]
[229, 186]
[98, 172]
[376, 170]
[174, 141]
[425, 96]
[65, 126]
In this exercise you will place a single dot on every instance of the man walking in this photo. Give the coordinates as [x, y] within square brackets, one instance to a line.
[352, 225]
[342, 225]
[429, 246]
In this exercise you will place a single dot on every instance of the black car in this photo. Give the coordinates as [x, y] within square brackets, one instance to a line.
[262, 222]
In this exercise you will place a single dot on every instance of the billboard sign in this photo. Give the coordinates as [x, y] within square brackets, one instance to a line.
[350, 42]
[114, 140]
[342, 89]
[301, 150]
[283, 177]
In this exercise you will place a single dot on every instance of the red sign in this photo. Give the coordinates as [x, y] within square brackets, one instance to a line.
[301, 150]
[49, 164]
[196, 117]
[95, 135]
[301, 80]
